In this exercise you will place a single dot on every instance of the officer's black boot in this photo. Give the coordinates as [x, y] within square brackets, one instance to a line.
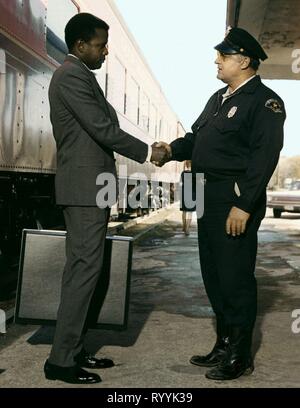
[238, 360]
[219, 350]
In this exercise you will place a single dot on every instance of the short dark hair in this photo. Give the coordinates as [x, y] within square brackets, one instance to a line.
[82, 27]
[254, 64]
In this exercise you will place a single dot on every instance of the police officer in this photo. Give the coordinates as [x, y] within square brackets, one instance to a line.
[236, 143]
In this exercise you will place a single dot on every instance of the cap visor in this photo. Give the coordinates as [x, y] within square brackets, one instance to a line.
[224, 48]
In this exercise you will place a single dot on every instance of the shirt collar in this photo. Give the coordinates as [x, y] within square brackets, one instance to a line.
[74, 56]
[228, 94]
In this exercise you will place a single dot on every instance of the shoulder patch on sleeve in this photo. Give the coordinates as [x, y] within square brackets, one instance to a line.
[274, 105]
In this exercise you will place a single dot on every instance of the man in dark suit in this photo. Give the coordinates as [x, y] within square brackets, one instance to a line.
[87, 132]
[235, 142]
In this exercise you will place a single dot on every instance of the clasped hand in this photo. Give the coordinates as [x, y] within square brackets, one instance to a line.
[161, 153]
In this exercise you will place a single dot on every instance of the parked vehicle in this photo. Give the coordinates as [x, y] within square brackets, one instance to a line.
[285, 200]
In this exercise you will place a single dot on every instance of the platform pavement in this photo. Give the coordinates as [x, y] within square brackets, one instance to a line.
[170, 318]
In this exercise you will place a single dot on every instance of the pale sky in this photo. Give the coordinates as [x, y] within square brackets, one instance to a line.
[177, 38]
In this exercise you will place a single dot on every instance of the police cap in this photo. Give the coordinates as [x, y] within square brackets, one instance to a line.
[239, 41]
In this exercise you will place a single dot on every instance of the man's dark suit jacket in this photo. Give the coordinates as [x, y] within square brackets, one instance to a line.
[87, 132]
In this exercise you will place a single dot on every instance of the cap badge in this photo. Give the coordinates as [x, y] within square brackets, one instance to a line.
[232, 112]
[274, 105]
[229, 28]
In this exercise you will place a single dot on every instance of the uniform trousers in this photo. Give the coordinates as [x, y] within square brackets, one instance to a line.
[228, 263]
[85, 241]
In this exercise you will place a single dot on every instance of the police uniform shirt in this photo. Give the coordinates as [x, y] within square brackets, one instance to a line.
[238, 138]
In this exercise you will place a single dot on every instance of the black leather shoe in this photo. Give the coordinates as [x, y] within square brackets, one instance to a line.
[72, 375]
[215, 357]
[83, 359]
[238, 359]
[231, 369]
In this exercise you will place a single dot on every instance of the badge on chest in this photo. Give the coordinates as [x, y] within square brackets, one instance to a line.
[232, 112]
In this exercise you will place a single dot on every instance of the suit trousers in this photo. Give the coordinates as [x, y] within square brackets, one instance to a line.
[85, 241]
[228, 263]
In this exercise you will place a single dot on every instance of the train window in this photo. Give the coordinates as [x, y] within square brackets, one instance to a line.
[101, 76]
[144, 112]
[163, 129]
[116, 84]
[160, 128]
[153, 121]
[132, 100]
[59, 13]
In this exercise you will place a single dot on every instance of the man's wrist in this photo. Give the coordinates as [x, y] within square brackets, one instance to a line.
[149, 154]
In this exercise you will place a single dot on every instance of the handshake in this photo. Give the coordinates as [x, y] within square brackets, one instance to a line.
[161, 153]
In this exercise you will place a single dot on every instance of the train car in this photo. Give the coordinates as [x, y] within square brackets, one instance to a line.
[31, 48]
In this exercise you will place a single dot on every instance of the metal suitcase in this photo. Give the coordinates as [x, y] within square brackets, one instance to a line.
[41, 267]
